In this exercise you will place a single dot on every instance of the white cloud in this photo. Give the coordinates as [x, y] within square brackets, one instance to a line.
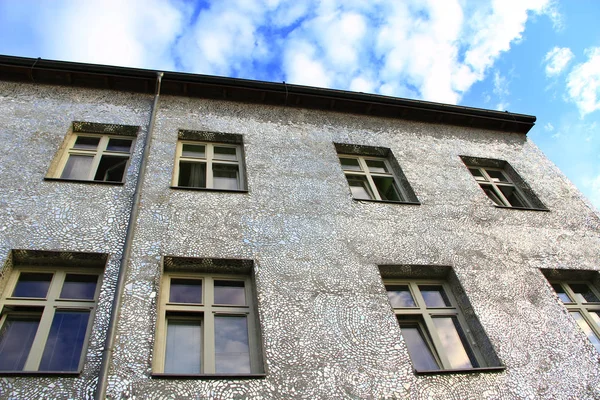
[549, 127]
[583, 83]
[557, 60]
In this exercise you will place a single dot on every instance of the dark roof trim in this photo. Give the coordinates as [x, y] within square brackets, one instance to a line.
[232, 89]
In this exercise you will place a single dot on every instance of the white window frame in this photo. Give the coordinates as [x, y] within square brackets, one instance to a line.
[96, 153]
[495, 184]
[365, 172]
[206, 312]
[209, 160]
[50, 304]
[423, 317]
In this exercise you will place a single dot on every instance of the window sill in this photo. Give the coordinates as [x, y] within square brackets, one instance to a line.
[410, 203]
[461, 371]
[41, 373]
[85, 181]
[522, 208]
[208, 189]
[207, 376]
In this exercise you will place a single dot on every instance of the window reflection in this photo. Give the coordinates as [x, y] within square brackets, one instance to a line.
[232, 354]
[80, 287]
[400, 296]
[185, 291]
[65, 341]
[230, 292]
[454, 342]
[434, 296]
[16, 337]
[184, 346]
[585, 327]
[418, 349]
[32, 285]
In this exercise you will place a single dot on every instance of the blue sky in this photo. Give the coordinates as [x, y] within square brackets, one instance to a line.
[539, 57]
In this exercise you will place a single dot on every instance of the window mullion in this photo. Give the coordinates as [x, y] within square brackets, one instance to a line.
[97, 157]
[209, 167]
[208, 331]
[41, 337]
[500, 195]
[365, 167]
[437, 343]
[590, 321]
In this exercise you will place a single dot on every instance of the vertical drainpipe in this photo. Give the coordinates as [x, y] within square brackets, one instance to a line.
[116, 305]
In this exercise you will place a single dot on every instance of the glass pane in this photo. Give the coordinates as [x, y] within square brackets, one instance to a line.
[232, 354]
[81, 287]
[350, 164]
[477, 174]
[419, 351]
[225, 153]
[434, 296]
[192, 174]
[586, 329]
[230, 292]
[77, 167]
[454, 343]
[123, 145]
[496, 176]
[377, 166]
[183, 354]
[562, 295]
[111, 169]
[65, 341]
[16, 337]
[400, 296]
[86, 143]
[225, 176]
[359, 187]
[193, 150]
[492, 194]
[185, 291]
[32, 285]
[513, 196]
[583, 293]
[387, 188]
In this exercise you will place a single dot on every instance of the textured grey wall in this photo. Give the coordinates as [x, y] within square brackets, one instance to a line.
[328, 330]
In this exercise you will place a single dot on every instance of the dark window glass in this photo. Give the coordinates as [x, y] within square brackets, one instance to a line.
[186, 291]
[400, 296]
[434, 296]
[80, 287]
[232, 354]
[86, 143]
[121, 145]
[225, 153]
[230, 292]
[193, 151]
[377, 166]
[16, 337]
[65, 341]
[477, 174]
[491, 193]
[225, 176]
[583, 293]
[192, 174]
[386, 188]
[359, 187]
[496, 176]
[419, 350]
[32, 285]
[564, 297]
[350, 164]
[183, 354]
[77, 167]
[513, 196]
[111, 169]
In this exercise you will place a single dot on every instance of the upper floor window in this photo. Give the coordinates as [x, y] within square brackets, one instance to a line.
[208, 166]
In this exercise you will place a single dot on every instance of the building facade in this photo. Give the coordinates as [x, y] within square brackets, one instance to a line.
[238, 239]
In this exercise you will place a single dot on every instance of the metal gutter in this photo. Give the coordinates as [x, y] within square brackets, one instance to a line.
[108, 350]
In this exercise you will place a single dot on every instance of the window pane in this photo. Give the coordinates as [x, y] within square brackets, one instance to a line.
[586, 329]
[488, 189]
[225, 176]
[65, 341]
[562, 295]
[350, 164]
[77, 167]
[477, 174]
[419, 351]
[496, 176]
[86, 143]
[400, 296]
[184, 346]
[193, 150]
[583, 293]
[230, 292]
[434, 296]
[111, 169]
[454, 343]
[192, 174]
[32, 285]
[386, 188]
[377, 166]
[81, 287]
[185, 291]
[359, 187]
[122, 145]
[513, 197]
[232, 354]
[225, 153]
[16, 337]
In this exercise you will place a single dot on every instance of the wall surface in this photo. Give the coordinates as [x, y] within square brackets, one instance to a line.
[327, 327]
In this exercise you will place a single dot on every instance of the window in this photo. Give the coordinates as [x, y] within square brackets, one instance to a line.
[583, 303]
[93, 157]
[206, 325]
[432, 326]
[208, 166]
[45, 319]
